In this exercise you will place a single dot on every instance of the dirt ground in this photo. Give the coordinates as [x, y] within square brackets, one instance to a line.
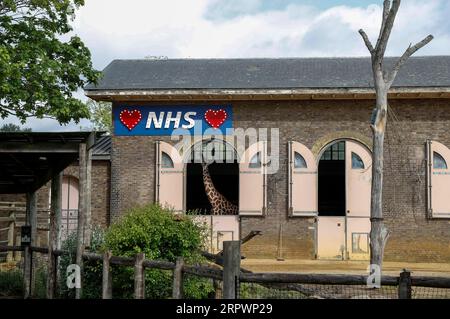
[343, 267]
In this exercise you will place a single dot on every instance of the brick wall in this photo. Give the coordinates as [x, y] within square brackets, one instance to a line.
[314, 123]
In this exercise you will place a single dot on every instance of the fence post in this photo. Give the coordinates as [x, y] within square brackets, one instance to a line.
[107, 278]
[177, 292]
[30, 220]
[27, 271]
[405, 285]
[17, 254]
[10, 256]
[55, 223]
[231, 268]
[139, 278]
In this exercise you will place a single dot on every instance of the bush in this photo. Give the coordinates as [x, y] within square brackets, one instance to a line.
[11, 283]
[161, 235]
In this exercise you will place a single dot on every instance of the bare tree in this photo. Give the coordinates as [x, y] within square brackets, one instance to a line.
[382, 81]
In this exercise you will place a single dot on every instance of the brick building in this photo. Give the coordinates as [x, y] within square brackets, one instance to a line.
[306, 183]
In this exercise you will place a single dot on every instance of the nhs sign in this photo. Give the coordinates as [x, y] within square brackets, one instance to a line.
[132, 120]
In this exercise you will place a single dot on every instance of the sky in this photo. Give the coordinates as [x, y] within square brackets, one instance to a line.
[135, 29]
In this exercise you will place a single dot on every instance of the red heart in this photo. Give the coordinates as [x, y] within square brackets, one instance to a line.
[215, 118]
[130, 118]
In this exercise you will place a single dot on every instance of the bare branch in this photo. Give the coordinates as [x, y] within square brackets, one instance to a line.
[367, 41]
[410, 51]
[386, 32]
[386, 7]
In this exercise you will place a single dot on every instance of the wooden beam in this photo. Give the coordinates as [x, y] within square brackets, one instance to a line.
[30, 220]
[231, 268]
[81, 212]
[14, 147]
[139, 277]
[177, 289]
[54, 234]
[260, 94]
[88, 222]
[107, 277]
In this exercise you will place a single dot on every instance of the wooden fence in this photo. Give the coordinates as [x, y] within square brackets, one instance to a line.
[12, 217]
[231, 275]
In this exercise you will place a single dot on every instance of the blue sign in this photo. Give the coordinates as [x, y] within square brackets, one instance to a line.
[132, 120]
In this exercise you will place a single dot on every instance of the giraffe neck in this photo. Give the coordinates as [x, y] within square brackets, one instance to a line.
[219, 204]
[210, 190]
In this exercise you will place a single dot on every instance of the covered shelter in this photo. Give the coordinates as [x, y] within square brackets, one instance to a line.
[28, 161]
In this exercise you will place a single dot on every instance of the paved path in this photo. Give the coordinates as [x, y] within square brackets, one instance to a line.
[343, 267]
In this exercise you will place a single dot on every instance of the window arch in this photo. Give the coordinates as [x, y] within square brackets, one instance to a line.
[166, 161]
[357, 162]
[438, 161]
[299, 161]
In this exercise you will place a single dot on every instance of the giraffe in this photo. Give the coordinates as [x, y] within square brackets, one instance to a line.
[220, 205]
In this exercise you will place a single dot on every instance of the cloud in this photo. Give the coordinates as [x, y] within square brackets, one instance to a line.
[117, 29]
[224, 29]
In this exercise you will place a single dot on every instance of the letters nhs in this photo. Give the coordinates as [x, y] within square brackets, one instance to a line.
[134, 120]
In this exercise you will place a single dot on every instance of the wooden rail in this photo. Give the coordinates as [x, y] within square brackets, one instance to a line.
[404, 282]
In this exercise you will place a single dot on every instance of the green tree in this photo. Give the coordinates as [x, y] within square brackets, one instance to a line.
[10, 127]
[101, 115]
[39, 71]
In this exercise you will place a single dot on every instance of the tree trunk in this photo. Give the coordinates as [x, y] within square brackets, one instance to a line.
[378, 129]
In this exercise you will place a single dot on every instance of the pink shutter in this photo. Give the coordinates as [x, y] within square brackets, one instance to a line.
[359, 180]
[253, 181]
[170, 180]
[438, 182]
[302, 182]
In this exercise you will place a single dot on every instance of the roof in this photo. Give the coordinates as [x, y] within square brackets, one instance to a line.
[281, 73]
[29, 159]
[102, 148]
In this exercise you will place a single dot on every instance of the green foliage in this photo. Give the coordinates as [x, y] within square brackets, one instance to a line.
[11, 283]
[10, 127]
[39, 70]
[101, 115]
[92, 275]
[161, 235]
[152, 230]
[40, 282]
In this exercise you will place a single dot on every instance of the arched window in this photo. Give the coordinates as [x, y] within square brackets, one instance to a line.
[335, 152]
[438, 161]
[255, 162]
[357, 162]
[299, 161]
[166, 161]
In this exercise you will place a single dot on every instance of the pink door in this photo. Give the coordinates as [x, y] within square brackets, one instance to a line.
[358, 165]
[438, 180]
[253, 180]
[331, 238]
[170, 177]
[347, 237]
[69, 209]
[302, 181]
[219, 229]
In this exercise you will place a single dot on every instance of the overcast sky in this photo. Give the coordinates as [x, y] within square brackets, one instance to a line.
[133, 29]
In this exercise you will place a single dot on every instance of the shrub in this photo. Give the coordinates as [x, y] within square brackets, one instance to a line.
[161, 235]
[11, 283]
